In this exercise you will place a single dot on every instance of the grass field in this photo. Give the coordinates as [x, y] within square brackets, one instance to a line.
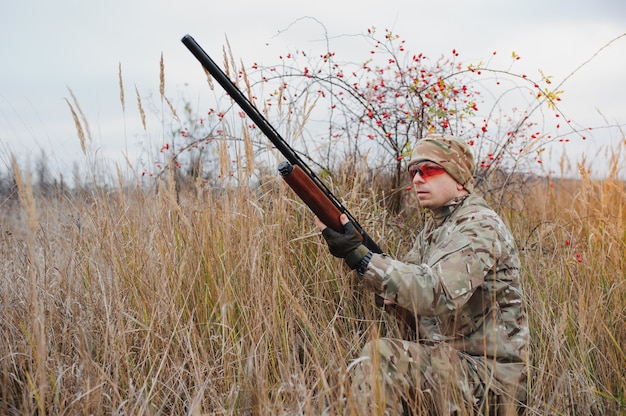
[227, 302]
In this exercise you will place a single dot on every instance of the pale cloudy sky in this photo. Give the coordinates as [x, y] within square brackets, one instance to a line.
[47, 47]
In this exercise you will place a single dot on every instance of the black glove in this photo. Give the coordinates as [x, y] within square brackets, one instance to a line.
[347, 245]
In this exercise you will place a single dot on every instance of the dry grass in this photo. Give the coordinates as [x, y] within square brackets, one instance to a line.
[227, 302]
[576, 263]
[150, 306]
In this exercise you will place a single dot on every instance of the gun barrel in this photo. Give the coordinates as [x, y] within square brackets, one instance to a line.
[243, 102]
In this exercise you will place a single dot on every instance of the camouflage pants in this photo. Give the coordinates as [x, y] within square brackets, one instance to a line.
[395, 377]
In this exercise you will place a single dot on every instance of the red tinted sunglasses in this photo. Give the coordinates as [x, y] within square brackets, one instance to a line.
[425, 170]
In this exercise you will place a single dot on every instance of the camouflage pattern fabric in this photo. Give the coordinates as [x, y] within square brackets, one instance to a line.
[461, 279]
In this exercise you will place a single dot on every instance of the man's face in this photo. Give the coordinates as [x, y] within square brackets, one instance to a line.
[433, 186]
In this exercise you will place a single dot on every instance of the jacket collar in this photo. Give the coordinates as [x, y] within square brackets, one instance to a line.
[440, 214]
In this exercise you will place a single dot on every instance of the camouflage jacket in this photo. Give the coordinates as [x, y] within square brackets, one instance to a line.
[461, 279]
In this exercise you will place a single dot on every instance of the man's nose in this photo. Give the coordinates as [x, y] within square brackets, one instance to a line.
[417, 178]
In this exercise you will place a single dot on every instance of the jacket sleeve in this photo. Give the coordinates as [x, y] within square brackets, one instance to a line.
[455, 269]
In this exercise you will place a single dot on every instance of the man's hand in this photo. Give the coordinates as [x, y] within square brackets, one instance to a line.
[346, 245]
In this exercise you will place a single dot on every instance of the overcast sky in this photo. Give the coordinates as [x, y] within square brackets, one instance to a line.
[47, 47]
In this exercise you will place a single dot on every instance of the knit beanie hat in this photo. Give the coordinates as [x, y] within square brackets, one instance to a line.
[452, 153]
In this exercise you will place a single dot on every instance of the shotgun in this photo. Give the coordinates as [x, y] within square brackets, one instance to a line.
[294, 170]
[300, 178]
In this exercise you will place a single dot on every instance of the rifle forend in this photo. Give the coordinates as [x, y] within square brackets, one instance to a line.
[311, 195]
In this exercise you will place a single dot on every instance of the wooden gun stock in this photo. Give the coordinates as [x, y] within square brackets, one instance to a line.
[311, 195]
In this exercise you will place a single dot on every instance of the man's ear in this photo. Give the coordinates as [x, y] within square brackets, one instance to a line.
[459, 187]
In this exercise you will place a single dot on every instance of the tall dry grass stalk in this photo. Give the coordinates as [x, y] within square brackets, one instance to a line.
[34, 320]
[142, 113]
[162, 87]
[79, 127]
[121, 85]
[85, 121]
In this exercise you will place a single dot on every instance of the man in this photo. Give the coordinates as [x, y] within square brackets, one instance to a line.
[461, 280]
